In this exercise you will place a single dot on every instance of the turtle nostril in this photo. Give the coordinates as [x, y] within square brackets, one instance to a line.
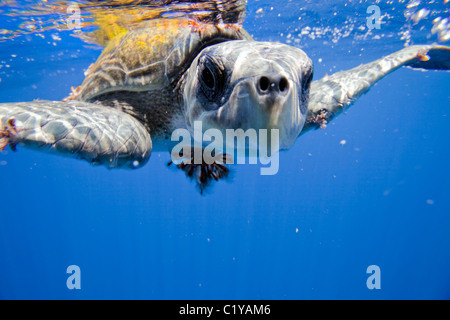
[283, 84]
[275, 84]
[264, 83]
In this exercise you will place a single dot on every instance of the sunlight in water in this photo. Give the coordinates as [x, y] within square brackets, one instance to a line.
[98, 21]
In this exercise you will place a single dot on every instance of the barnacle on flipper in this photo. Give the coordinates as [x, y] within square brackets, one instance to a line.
[423, 55]
[8, 135]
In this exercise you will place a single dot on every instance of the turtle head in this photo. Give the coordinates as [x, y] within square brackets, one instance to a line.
[249, 84]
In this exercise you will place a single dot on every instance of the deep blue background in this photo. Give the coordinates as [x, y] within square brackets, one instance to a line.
[310, 231]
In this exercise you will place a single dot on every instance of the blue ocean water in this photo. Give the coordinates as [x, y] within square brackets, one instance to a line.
[309, 232]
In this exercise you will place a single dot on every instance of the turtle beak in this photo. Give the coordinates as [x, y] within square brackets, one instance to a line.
[272, 94]
[269, 101]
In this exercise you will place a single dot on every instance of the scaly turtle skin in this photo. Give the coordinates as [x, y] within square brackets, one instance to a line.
[166, 74]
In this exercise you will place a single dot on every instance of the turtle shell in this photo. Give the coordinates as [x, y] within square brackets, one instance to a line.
[154, 56]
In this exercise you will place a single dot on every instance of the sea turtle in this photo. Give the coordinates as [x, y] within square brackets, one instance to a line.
[167, 74]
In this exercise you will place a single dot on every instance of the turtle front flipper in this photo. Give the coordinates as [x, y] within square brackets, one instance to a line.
[333, 94]
[99, 135]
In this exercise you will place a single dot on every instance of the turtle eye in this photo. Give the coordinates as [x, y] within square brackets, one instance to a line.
[208, 78]
[211, 79]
